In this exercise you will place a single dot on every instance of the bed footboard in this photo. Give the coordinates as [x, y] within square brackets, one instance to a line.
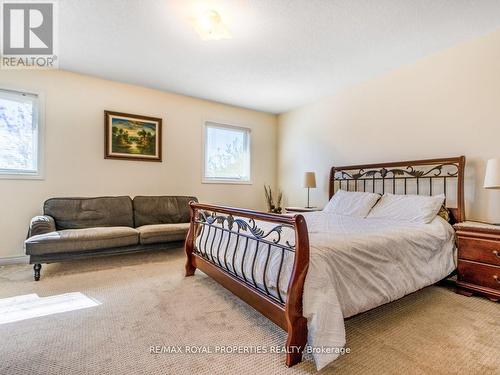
[231, 246]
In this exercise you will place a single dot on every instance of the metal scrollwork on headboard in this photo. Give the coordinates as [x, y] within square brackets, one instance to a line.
[437, 173]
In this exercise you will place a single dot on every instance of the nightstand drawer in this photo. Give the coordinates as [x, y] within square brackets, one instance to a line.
[479, 250]
[479, 274]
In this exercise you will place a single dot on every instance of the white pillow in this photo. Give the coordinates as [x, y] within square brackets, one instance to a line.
[410, 208]
[351, 203]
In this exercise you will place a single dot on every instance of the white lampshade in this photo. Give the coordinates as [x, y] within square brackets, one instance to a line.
[492, 175]
[309, 180]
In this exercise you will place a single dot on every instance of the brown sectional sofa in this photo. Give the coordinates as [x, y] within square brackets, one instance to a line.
[73, 228]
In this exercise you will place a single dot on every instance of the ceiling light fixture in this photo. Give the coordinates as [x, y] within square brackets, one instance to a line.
[209, 26]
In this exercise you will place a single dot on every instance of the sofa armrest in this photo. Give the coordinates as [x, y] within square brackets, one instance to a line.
[41, 224]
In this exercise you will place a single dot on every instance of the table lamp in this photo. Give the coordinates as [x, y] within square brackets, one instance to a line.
[492, 175]
[309, 182]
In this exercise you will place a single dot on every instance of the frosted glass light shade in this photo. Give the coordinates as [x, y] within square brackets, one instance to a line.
[309, 180]
[492, 175]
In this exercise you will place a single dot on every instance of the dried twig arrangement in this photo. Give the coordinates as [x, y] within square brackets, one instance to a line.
[274, 208]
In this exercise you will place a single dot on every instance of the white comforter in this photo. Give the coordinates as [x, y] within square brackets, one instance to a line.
[355, 265]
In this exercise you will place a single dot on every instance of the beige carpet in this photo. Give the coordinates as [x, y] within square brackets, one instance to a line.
[146, 301]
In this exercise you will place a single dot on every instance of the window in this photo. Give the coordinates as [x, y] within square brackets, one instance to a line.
[19, 135]
[227, 153]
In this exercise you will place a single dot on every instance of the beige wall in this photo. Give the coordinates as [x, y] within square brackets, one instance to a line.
[74, 161]
[445, 105]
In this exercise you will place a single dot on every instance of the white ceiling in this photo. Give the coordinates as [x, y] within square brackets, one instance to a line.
[283, 54]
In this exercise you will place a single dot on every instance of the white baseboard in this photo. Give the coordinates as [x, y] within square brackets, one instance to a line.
[14, 260]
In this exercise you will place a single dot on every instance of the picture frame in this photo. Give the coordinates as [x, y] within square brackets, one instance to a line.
[132, 137]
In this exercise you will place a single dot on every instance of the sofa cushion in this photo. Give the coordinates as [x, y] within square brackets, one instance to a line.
[70, 240]
[161, 210]
[78, 213]
[157, 233]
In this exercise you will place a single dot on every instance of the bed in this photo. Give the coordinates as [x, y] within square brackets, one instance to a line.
[309, 272]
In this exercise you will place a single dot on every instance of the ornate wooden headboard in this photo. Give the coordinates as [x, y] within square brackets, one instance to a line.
[422, 177]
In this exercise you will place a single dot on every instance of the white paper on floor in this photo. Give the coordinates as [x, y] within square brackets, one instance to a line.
[29, 306]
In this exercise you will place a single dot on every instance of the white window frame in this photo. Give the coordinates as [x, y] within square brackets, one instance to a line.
[218, 124]
[39, 116]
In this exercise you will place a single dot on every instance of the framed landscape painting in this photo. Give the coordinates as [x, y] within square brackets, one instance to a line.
[132, 137]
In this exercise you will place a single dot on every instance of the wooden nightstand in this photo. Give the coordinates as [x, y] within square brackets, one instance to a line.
[478, 259]
[301, 209]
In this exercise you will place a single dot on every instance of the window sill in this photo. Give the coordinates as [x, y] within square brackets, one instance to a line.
[227, 182]
[20, 176]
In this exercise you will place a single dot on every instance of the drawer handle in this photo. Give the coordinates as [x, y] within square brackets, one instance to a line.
[496, 279]
[496, 253]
